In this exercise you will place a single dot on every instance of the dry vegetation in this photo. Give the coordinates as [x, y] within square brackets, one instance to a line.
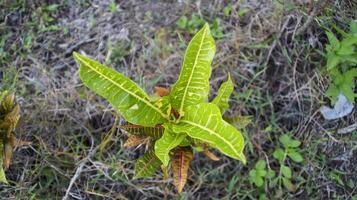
[274, 52]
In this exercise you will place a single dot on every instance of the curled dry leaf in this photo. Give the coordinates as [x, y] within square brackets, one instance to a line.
[180, 164]
[210, 155]
[8, 150]
[161, 91]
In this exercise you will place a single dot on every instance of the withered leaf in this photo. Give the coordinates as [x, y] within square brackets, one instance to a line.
[180, 164]
[135, 140]
[161, 91]
[210, 155]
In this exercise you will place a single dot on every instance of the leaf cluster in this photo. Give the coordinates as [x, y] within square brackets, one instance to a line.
[290, 150]
[258, 174]
[175, 122]
[341, 63]
[9, 117]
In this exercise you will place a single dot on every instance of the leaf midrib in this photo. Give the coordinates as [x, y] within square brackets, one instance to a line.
[118, 85]
[212, 132]
[193, 69]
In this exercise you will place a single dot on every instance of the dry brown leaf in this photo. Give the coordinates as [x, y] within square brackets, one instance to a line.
[161, 91]
[7, 155]
[135, 140]
[210, 155]
[180, 164]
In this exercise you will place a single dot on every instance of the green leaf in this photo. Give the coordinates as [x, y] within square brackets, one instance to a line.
[271, 174]
[289, 185]
[204, 122]
[279, 154]
[288, 142]
[154, 132]
[253, 173]
[345, 50]
[261, 164]
[335, 43]
[350, 75]
[125, 95]
[255, 178]
[146, 165]
[166, 143]
[227, 10]
[2, 176]
[348, 91]
[2, 173]
[258, 181]
[261, 172]
[295, 156]
[192, 87]
[182, 22]
[286, 171]
[332, 61]
[243, 11]
[347, 44]
[284, 139]
[226, 89]
[332, 92]
[294, 143]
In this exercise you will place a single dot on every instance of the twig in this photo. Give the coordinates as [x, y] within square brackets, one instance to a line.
[347, 129]
[79, 171]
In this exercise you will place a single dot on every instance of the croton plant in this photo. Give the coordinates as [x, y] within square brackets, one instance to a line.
[177, 122]
[9, 117]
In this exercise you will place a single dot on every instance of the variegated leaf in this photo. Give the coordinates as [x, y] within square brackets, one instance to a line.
[192, 87]
[204, 122]
[135, 140]
[166, 143]
[125, 95]
[8, 102]
[146, 165]
[180, 164]
[154, 132]
[2, 173]
[226, 89]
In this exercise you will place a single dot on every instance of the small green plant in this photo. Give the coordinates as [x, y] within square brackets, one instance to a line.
[44, 21]
[113, 7]
[342, 83]
[193, 25]
[291, 151]
[341, 63]
[174, 122]
[258, 174]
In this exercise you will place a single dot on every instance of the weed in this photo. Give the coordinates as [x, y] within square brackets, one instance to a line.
[193, 24]
[341, 63]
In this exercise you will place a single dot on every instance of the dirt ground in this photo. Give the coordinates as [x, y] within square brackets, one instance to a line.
[273, 49]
